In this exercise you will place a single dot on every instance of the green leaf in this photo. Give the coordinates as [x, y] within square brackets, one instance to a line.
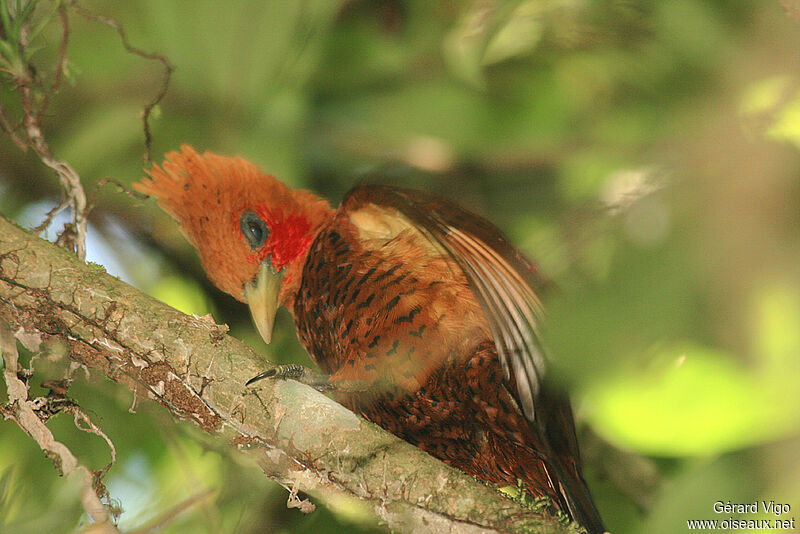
[693, 401]
[43, 21]
[5, 17]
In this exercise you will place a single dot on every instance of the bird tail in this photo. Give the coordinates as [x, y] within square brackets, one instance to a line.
[577, 500]
[563, 463]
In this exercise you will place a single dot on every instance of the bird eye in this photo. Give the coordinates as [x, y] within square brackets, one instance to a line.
[253, 229]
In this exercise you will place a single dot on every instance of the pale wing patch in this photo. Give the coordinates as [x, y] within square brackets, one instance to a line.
[380, 225]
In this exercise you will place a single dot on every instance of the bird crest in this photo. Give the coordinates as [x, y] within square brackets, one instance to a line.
[208, 194]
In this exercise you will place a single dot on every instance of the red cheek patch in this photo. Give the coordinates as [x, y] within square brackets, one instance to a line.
[288, 238]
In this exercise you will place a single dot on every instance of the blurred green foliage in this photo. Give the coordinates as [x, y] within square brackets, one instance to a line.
[644, 152]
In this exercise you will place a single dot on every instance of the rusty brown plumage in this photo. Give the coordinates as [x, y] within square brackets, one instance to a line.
[424, 301]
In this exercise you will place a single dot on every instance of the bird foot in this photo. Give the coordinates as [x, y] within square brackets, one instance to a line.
[295, 371]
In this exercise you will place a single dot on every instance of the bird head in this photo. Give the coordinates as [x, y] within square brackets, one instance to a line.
[251, 231]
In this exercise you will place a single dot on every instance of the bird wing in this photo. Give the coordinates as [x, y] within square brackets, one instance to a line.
[502, 279]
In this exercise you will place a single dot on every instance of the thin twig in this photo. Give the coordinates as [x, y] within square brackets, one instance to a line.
[70, 180]
[5, 123]
[58, 208]
[60, 64]
[168, 69]
[123, 189]
[91, 428]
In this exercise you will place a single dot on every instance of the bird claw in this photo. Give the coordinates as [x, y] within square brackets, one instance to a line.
[297, 372]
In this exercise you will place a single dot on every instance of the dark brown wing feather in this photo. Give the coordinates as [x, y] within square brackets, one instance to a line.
[503, 280]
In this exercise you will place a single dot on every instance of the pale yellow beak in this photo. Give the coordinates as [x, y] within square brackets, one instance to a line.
[262, 297]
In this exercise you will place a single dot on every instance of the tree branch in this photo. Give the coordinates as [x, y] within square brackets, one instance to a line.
[298, 436]
[22, 411]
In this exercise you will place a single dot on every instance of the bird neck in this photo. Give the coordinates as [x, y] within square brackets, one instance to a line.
[319, 214]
